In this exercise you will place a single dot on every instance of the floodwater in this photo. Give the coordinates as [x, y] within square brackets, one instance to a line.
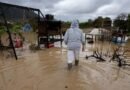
[46, 69]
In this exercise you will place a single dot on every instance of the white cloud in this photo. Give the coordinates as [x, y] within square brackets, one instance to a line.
[79, 6]
[109, 9]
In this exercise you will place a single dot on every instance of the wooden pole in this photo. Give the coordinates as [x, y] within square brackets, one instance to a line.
[38, 41]
[8, 31]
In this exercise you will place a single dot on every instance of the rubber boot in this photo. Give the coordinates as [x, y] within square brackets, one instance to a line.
[76, 62]
[69, 66]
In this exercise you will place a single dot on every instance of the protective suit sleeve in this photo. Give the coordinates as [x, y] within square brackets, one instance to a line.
[66, 37]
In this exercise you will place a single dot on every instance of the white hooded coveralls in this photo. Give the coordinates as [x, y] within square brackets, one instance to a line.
[74, 38]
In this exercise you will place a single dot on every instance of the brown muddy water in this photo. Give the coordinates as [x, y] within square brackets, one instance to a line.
[46, 69]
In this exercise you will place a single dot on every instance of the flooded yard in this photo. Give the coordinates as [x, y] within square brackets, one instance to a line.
[46, 69]
[24, 24]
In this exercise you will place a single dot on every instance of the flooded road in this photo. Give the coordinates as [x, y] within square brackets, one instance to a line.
[47, 70]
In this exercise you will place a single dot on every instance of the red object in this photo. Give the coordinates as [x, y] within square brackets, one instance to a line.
[18, 43]
[49, 45]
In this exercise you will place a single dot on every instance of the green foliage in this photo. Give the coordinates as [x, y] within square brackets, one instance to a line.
[84, 25]
[98, 22]
[121, 22]
[16, 28]
[107, 22]
[66, 24]
[2, 30]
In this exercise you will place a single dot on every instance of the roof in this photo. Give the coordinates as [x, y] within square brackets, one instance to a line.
[17, 6]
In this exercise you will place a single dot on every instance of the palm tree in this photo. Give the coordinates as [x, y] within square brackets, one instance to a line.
[16, 28]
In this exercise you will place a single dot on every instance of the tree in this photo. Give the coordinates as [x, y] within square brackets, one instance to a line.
[83, 25]
[121, 22]
[16, 27]
[102, 22]
[107, 22]
[98, 22]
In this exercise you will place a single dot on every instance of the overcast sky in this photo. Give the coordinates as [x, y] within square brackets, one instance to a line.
[77, 9]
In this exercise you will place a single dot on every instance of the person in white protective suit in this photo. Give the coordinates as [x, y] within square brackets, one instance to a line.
[74, 39]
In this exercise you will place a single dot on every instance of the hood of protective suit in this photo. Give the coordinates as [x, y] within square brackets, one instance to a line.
[74, 24]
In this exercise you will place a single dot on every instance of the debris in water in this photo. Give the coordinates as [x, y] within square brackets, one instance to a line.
[66, 86]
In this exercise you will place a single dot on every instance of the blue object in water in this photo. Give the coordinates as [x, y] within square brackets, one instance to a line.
[119, 39]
